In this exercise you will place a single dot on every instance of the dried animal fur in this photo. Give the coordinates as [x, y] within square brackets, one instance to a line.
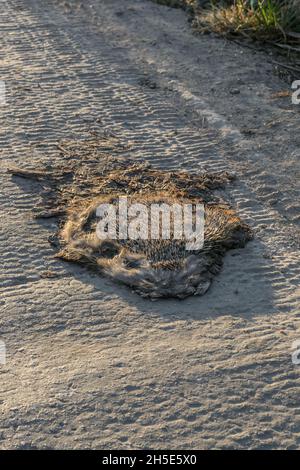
[152, 268]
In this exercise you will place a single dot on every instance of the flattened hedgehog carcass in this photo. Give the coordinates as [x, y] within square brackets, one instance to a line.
[153, 268]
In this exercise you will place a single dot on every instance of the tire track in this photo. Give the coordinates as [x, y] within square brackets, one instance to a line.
[90, 364]
[140, 116]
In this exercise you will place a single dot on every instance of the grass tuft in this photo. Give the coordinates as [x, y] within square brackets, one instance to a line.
[275, 22]
[257, 19]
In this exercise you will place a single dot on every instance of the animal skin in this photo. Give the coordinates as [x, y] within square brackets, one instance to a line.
[152, 268]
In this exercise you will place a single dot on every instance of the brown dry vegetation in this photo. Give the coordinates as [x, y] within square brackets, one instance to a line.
[273, 22]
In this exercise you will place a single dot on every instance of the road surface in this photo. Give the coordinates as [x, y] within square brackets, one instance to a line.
[90, 364]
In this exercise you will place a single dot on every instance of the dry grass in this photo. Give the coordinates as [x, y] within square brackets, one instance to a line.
[272, 22]
[262, 20]
[281, 94]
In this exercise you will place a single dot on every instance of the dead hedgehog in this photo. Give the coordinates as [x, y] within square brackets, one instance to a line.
[154, 268]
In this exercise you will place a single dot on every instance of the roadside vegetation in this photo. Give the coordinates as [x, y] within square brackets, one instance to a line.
[272, 22]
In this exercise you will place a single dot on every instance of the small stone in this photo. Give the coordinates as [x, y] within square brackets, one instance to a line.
[234, 91]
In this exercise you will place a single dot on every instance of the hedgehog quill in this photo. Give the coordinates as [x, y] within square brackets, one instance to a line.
[162, 267]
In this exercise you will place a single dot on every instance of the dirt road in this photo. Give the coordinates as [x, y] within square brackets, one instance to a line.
[90, 364]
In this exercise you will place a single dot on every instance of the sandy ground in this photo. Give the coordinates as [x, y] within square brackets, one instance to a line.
[90, 364]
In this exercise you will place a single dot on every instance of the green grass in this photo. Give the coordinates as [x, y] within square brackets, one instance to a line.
[273, 22]
[258, 19]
